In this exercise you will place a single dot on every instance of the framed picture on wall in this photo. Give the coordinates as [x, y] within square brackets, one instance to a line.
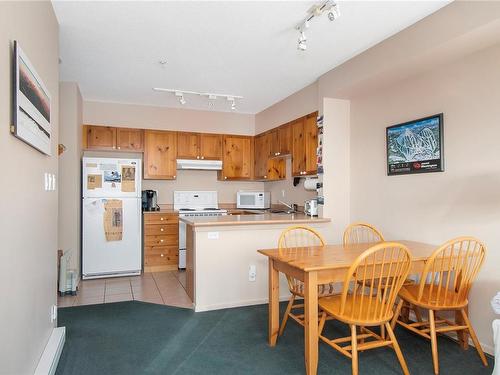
[31, 104]
[415, 146]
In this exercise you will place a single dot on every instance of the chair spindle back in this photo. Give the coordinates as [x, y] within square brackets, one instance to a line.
[361, 233]
[382, 269]
[298, 236]
[450, 272]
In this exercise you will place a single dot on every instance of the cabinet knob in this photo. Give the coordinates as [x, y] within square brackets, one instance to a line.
[175, 176]
[118, 147]
[161, 240]
[202, 158]
[161, 218]
[265, 176]
[197, 157]
[225, 177]
[279, 153]
[161, 255]
[161, 229]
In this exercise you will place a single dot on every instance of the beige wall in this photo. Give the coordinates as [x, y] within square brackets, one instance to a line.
[70, 135]
[149, 117]
[463, 200]
[294, 106]
[29, 214]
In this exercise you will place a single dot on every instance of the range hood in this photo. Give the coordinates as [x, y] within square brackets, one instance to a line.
[211, 165]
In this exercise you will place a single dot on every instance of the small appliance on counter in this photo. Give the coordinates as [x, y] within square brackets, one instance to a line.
[311, 207]
[150, 200]
[253, 200]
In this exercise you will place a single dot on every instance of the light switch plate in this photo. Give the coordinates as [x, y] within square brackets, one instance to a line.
[213, 235]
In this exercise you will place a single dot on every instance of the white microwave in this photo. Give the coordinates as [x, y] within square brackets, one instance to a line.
[259, 200]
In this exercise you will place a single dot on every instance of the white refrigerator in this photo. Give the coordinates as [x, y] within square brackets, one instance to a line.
[111, 217]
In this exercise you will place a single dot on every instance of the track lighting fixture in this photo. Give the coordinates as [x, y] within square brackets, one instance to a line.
[317, 10]
[302, 42]
[233, 102]
[179, 94]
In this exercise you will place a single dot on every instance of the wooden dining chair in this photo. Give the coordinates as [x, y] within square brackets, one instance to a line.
[444, 285]
[299, 236]
[385, 266]
[361, 233]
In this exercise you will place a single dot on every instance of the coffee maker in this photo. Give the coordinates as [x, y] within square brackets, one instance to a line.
[150, 200]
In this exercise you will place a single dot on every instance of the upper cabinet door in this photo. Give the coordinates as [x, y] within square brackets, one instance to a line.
[285, 136]
[188, 145]
[298, 151]
[101, 137]
[160, 153]
[311, 143]
[210, 146]
[129, 139]
[260, 156]
[237, 158]
[274, 143]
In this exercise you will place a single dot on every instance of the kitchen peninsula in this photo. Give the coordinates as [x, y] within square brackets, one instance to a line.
[223, 266]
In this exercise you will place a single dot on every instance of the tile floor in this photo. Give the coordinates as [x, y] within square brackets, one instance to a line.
[166, 288]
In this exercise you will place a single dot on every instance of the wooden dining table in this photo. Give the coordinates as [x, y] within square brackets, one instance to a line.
[314, 266]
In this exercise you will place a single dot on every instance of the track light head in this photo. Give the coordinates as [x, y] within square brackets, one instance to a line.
[334, 12]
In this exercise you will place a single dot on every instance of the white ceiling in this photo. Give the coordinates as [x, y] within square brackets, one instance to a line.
[248, 48]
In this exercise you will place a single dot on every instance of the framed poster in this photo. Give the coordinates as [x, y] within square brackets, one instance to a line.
[415, 146]
[31, 104]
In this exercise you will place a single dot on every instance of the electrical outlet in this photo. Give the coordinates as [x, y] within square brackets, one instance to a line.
[53, 314]
[213, 235]
[252, 273]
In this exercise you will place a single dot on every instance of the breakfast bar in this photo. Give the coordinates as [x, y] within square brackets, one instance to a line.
[222, 265]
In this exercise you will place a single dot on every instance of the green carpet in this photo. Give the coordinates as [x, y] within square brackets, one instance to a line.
[142, 338]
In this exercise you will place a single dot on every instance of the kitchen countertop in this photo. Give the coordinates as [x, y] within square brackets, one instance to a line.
[252, 219]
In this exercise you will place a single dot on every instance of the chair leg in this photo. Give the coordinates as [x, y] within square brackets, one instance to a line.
[435, 358]
[396, 314]
[397, 349]
[354, 350]
[287, 312]
[322, 323]
[417, 313]
[474, 338]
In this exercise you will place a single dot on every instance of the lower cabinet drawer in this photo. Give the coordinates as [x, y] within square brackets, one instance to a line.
[160, 229]
[160, 259]
[161, 240]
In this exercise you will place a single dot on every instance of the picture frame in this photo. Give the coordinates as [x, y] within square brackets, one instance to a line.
[32, 104]
[416, 146]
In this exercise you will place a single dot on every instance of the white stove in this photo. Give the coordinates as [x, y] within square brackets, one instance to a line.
[191, 204]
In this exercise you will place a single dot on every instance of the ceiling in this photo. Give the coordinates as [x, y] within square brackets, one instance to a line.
[248, 48]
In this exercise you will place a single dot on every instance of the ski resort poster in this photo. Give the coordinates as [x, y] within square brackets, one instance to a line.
[415, 146]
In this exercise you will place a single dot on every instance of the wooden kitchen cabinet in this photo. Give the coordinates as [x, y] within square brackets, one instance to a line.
[101, 137]
[129, 139]
[285, 137]
[199, 146]
[161, 241]
[210, 146]
[188, 145]
[237, 158]
[265, 167]
[304, 146]
[160, 155]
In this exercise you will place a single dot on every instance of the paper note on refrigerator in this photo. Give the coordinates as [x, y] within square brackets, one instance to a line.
[128, 178]
[94, 181]
[113, 219]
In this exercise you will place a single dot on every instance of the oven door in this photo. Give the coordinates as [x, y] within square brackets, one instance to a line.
[182, 235]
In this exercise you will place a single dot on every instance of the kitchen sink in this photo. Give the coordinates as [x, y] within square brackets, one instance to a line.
[286, 212]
